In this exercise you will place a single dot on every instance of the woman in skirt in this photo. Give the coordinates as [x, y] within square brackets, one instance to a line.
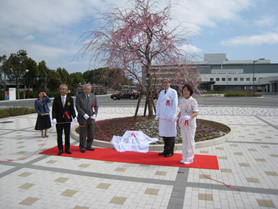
[43, 119]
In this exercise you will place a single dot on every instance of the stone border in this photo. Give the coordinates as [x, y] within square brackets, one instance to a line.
[159, 147]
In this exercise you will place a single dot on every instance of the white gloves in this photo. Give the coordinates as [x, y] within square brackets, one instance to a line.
[176, 119]
[93, 117]
[86, 116]
[186, 117]
[75, 120]
[54, 121]
[156, 117]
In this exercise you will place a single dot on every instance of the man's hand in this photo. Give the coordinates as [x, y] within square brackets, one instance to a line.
[86, 116]
[156, 118]
[186, 117]
[54, 121]
[93, 117]
[75, 120]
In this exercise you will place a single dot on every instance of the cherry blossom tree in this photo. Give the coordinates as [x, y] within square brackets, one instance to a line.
[135, 38]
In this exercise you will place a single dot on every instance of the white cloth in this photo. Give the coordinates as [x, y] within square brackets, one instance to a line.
[188, 145]
[135, 141]
[166, 112]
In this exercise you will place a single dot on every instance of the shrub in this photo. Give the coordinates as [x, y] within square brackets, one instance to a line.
[235, 94]
[15, 111]
[241, 94]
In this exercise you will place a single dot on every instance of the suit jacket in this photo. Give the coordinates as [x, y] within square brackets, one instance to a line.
[39, 107]
[58, 111]
[83, 106]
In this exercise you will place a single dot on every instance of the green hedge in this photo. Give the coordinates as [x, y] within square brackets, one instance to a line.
[15, 111]
[241, 94]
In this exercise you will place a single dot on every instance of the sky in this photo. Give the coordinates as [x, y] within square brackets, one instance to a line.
[51, 30]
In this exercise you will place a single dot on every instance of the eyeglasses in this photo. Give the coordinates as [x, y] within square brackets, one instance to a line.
[165, 82]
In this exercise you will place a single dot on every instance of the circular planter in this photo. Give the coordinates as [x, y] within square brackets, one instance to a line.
[159, 147]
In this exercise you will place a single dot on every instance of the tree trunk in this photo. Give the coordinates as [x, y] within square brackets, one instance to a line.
[17, 90]
[138, 105]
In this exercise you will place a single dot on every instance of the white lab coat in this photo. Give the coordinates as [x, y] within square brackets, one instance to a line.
[166, 113]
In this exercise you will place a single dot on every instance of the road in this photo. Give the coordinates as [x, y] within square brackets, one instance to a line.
[105, 101]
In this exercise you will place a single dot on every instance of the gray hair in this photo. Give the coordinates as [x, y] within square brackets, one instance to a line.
[63, 85]
[87, 84]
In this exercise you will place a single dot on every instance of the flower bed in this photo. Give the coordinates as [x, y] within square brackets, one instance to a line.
[206, 129]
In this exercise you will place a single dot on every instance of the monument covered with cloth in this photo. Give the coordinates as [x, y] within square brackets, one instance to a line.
[135, 141]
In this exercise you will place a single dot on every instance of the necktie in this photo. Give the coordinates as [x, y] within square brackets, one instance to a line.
[165, 92]
[87, 97]
[63, 101]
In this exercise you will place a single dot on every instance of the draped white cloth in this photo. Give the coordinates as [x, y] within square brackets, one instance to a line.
[135, 141]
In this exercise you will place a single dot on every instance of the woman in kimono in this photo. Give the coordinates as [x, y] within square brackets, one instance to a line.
[187, 122]
[167, 105]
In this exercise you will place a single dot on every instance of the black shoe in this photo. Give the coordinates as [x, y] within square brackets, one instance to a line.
[82, 150]
[162, 153]
[90, 148]
[68, 151]
[168, 155]
[60, 152]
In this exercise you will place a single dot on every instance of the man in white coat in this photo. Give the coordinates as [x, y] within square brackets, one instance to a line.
[166, 109]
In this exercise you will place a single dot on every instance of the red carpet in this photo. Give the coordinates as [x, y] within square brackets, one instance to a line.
[150, 158]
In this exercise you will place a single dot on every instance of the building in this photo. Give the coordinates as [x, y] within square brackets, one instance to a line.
[220, 74]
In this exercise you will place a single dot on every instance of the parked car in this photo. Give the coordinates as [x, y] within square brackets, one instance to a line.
[127, 94]
[200, 91]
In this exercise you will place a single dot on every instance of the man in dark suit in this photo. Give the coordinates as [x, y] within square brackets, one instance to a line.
[87, 108]
[62, 114]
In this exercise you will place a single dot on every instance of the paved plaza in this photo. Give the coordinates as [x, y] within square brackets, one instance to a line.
[249, 162]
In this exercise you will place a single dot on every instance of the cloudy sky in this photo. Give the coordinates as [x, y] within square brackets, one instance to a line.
[50, 29]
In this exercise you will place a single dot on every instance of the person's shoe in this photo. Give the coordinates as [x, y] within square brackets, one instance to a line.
[185, 162]
[60, 152]
[82, 150]
[162, 153]
[168, 155]
[68, 151]
[90, 148]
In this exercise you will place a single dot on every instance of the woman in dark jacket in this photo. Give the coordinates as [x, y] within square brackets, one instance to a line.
[43, 119]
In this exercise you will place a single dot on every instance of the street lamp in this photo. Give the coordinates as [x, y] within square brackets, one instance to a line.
[254, 76]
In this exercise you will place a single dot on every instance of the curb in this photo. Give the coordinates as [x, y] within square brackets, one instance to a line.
[160, 147]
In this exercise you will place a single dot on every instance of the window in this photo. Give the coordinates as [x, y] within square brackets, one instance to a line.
[229, 79]
[241, 79]
[247, 79]
[254, 79]
[217, 79]
[211, 79]
[223, 79]
[235, 79]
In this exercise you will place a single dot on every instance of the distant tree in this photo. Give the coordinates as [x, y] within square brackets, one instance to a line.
[64, 75]
[43, 72]
[53, 80]
[76, 79]
[15, 67]
[112, 78]
[3, 59]
[138, 36]
[32, 73]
